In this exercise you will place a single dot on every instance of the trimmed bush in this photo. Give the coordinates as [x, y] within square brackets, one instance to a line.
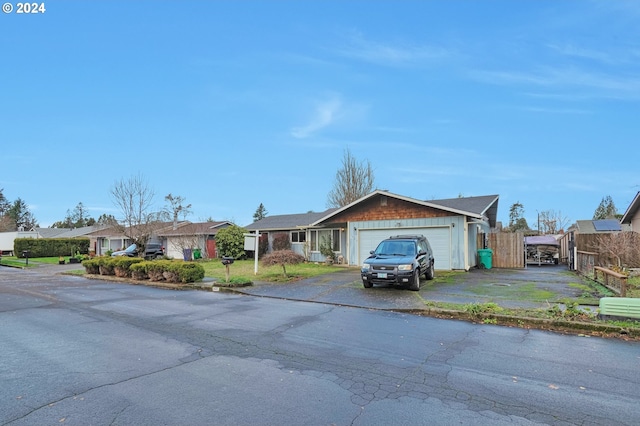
[172, 271]
[92, 266]
[106, 265]
[189, 272]
[50, 247]
[122, 265]
[139, 271]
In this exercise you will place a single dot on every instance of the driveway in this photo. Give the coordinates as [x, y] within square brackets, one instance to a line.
[549, 283]
[501, 286]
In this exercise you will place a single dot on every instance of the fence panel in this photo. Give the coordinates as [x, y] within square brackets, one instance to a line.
[508, 249]
[585, 261]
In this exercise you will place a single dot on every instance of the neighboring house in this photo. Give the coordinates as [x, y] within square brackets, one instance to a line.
[7, 238]
[451, 225]
[599, 226]
[631, 217]
[173, 237]
[296, 226]
[187, 235]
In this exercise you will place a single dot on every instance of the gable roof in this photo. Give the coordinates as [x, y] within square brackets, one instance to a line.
[189, 228]
[598, 226]
[483, 207]
[67, 232]
[287, 221]
[631, 210]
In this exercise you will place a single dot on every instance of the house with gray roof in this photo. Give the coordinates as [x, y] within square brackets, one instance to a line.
[631, 217]
[451, 225]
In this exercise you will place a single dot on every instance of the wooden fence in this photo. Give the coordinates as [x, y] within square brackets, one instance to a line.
[508, 248]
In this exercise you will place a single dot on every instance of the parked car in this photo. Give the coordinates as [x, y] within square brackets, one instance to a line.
[399, 260]
[131, 251]
[151, 251]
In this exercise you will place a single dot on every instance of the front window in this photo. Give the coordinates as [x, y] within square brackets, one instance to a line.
[324, 236]
[298, 236]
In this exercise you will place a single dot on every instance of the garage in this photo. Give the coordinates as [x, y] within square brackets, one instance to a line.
[439, 238]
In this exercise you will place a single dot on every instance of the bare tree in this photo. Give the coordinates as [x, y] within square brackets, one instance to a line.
[353, 181]
[176, 208]
[624, 247]
[552, 222]
[134, 197]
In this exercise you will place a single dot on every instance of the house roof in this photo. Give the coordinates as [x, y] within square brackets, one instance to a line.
[598, 226]
[287, 221]
[483, 207]
[631, 210]
[67, 232]
[189, 228]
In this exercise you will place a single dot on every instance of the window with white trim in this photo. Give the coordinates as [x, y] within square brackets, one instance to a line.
[298, 236]
[319, 236]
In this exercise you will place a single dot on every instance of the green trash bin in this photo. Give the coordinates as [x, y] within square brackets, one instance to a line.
[485, 258]
[197, 254]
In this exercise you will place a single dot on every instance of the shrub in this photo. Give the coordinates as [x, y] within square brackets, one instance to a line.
[122, 265]
[173, 271]
[281, 242]
[189, 272]
[155, 270]
[92, 266]
[282, 258]
[139, 271]
[106, 265]
[230, 241]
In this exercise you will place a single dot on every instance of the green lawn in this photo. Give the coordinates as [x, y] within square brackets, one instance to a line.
[33, 261]
[243, 271]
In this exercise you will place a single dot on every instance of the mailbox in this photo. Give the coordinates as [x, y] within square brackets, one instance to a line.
[227, 260]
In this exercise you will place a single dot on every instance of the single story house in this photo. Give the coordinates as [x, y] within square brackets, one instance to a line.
[451, 225]
[173, 237]
[188, 235]
[598, 226]
[631, 217]
[7, 238]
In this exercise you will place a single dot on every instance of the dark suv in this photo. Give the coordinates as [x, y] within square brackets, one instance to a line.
[399, 260]
[151, 251]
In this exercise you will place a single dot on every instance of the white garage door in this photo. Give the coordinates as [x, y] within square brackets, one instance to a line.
[439, 238]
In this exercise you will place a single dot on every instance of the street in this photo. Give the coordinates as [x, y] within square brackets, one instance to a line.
[76, 351]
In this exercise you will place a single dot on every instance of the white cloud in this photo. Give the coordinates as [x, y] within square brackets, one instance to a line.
[326, 113]
[385, 53]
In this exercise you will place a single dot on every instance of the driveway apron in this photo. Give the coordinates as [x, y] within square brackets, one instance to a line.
[500, 286]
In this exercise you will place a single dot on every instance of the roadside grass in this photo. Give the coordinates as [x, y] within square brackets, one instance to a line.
[633, 289]
[446, 277]
[242, 271]
[33, 261]
[516, 291]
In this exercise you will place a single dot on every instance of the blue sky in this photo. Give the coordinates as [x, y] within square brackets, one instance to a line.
[230, 104]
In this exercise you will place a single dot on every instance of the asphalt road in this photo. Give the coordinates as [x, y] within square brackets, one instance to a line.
[77, 352]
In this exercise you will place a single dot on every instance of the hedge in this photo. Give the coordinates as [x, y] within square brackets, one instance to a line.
[173, 271]
[50, 247]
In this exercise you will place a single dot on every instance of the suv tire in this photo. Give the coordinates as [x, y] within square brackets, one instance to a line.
[429, 273]
[415, 281]
[367, 284]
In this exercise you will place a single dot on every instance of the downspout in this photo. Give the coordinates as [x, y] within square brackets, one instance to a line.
[466, 245]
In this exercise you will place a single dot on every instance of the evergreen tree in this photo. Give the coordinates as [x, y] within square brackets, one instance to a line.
[260, 213]
[606, 209]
